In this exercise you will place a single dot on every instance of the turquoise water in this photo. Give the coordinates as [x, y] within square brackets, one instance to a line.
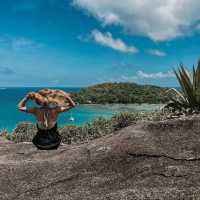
[10, 115]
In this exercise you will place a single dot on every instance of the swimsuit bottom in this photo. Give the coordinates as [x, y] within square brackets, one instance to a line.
[47, 139]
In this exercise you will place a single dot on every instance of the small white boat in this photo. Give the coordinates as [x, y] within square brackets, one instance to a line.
[71, 119]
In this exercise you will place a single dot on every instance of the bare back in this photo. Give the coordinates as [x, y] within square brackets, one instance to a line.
[51, 118]
[46, 117]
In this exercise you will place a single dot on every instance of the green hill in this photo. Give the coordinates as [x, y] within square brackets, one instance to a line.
[120, 93]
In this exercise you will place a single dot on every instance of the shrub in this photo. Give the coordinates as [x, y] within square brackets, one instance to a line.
[123, 119]
[5, 134]
[89, 131]
[25, 131]
[188, 99]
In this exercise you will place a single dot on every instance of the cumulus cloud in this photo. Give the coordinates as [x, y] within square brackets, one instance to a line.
[157, 75]
[158, 20]
[156, 52]
[108, 41]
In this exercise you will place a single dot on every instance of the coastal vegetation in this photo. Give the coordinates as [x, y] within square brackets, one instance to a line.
[178, 103]
[25, 131]
[121, 93]
[188, 98]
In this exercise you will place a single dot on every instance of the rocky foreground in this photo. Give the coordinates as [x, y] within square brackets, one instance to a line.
[149, 160]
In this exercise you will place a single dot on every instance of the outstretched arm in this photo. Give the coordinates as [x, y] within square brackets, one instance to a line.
[69, 106]
[22, 104]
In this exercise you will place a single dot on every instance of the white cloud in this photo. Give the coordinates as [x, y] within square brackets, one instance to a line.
[22, 43]
[108, 41]
[159, 20]
[128, 78]
[156, 52]
[157, 75]
[141, 75]
[19, 43]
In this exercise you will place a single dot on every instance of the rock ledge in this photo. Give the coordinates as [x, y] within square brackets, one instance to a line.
[149, 160]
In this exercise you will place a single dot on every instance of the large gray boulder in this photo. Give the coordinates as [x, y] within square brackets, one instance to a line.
[149, 160]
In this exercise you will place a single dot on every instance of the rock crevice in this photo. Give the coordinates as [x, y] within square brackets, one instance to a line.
[147, 160]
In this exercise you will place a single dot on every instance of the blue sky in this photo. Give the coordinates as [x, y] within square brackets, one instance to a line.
[84, 42]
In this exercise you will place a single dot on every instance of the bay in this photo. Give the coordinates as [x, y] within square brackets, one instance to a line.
[10, 115]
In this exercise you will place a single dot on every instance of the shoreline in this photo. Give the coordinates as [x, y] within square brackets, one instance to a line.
[89, 112]
[25, 131]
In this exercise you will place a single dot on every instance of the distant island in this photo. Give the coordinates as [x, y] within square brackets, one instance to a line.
[125, 93]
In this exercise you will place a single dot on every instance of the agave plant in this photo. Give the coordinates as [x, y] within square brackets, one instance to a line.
[189, 96]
